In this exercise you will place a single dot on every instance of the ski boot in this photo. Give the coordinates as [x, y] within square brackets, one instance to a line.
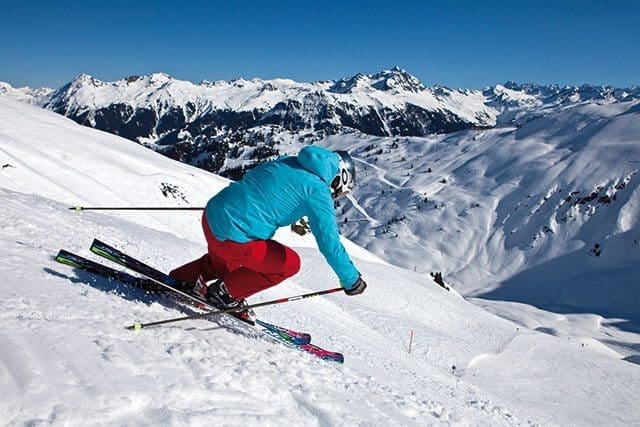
[197, 289]
[218, 295]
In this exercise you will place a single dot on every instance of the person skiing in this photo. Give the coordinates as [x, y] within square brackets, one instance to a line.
[240, 221]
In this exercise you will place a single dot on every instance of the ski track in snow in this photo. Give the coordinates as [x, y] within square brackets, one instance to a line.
[381, 173]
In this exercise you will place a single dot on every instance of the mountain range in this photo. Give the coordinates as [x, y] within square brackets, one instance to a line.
[229, 126]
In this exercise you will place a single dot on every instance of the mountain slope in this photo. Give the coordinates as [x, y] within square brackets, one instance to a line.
[546, 213]
[65, 358]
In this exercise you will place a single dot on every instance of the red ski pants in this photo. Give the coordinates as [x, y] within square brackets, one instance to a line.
[246, 268]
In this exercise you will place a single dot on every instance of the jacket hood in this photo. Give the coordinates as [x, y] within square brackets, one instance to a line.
[320, 161]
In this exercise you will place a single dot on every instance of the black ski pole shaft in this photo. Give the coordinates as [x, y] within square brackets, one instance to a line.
[133, 208]
[137, 325]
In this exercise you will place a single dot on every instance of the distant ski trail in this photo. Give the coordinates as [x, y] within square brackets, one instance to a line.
[362, 210]
[381, 174]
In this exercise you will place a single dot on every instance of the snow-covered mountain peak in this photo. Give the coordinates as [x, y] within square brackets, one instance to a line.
[159, 78]
[25, 94]
[154, 79]
[513, 98]
[573, 94]
[395, 79]
[80, 90]
[517, 104]
[349, 84]
[133, 78]
[83, 79]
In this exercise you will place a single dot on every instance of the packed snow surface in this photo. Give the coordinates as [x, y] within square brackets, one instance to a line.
[65, 357]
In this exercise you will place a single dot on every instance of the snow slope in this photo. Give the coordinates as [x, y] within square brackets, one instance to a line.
[543, 214]
[65, 357]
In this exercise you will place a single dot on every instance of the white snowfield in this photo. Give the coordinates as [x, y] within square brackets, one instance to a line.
[66, 359]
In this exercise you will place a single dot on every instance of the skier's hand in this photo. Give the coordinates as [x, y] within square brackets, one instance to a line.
[357, 288]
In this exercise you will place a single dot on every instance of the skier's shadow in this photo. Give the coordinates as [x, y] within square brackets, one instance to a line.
[131, 293]
[107, 285]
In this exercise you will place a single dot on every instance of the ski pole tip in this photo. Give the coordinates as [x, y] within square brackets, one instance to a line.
[135, 327]
[76, 208]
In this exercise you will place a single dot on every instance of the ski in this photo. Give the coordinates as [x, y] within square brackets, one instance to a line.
[76, 261]
[300, 338]
[147, 285]
[282, 335]
[167, 281]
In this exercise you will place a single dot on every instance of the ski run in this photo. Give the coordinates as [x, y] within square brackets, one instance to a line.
[67, 359]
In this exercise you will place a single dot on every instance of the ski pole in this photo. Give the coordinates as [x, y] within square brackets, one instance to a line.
[137, 325]
[133, 208]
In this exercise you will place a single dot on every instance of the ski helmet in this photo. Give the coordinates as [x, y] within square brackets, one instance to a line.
[346, 177]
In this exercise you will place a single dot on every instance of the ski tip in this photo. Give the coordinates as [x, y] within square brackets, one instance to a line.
[335, 357]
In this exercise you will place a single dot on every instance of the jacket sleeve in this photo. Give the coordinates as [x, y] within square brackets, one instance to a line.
[323, 223]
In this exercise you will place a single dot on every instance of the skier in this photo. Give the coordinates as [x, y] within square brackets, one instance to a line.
[240, 221]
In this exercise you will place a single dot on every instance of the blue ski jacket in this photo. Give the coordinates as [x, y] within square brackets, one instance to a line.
[279, 193]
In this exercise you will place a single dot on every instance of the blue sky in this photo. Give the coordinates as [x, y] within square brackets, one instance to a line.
[468, 44]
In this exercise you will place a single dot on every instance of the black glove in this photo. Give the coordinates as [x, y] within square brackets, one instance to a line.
[357, 288]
